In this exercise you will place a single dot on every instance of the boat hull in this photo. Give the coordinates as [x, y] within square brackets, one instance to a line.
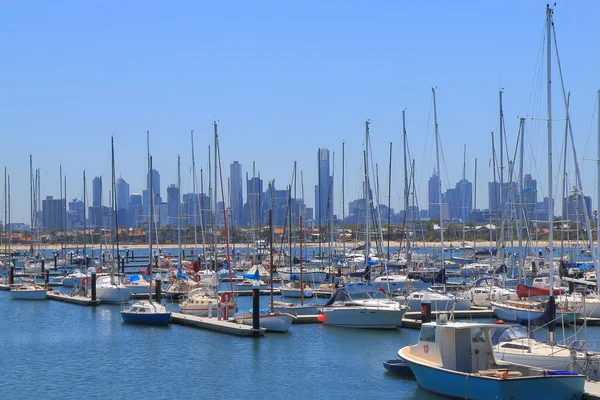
[295, 293]
[146, 319]
[513, 314]
[276, 322]
[310, 277]
[113, 294]
[36, 294]
[463, 385]
[362, 317]
[297, 309]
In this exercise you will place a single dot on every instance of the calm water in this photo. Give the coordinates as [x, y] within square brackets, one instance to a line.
[58, 350]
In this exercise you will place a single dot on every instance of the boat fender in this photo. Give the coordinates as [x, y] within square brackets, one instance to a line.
[99, 270]
[197, 278]
[85, 281]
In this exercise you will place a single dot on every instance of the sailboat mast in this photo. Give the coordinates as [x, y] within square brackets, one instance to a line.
[521, 189]
[437, 156]
[195, 201]
[271, 259]
[180, 258]
[150, 218]
[343, 201]
[597, 264]
[84, 221]
[549, 124]
[389, 227]
[367, 203]
[475, 204]
[406, 190]
[501, 203]
[215, 197]
[114, 209]
[301, 271]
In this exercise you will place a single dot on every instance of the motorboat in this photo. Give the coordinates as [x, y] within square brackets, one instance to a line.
[294, 289]
[439, 301]
[271, 321]
[514, 344]
[312, 275]
[456, 359]
[73, 278]
[203, 302]
[147, 313]
[488, 289]
[362, 306]
[28, 291]
[391, 283]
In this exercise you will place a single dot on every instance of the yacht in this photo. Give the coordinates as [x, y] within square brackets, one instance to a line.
[362, 306]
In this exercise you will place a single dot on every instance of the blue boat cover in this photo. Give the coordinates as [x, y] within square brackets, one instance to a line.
[181, 275]
[255, 275]
[294, 277]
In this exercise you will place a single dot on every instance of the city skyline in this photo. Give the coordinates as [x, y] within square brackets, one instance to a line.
[69, 84]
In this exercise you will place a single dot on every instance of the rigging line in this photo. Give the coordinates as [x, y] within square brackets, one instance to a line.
[538, 67]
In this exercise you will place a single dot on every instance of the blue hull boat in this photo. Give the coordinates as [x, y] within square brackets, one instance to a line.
[148, 319]
[399, 367]
[146, 313]
[457, 359]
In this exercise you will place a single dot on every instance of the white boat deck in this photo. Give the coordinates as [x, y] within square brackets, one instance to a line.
[215, 324]
[591, 390]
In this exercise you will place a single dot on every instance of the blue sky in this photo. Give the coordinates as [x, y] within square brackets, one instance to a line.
[283, 79]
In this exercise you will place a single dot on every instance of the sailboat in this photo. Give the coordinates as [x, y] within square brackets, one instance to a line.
[270, 319]
[108, 288]
[29, 290]
[526, 310]
[297, 308]
[360, 305]
[147, 312]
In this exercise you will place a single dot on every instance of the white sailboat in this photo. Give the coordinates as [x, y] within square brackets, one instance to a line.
[146, 312]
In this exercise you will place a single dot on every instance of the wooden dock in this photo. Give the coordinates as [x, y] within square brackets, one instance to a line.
[79, 300]
[214, 324]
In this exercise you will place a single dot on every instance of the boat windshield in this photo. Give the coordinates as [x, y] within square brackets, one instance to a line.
[509, 333]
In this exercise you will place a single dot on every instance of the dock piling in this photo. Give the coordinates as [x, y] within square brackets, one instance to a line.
[255, 305]
[93, 286]
[157, 288]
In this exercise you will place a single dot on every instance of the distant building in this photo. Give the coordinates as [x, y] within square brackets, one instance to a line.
[434, 195]
[54, 214]
[235, 196]
[254, 190]
[173, 204]
[323, 190]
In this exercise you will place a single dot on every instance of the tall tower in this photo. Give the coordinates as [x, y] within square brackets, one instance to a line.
[323, 190]
[97, 192]
[236, 200]
[434, 195]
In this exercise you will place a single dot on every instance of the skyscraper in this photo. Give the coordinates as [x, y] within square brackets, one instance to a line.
[97, 192]
[254, 188]
[463, 204]
[434, 195]
[323, 190]
[172, 204]
[122, 194]
[236, 199]
[53, 210]
[123, 203]
[156, 183]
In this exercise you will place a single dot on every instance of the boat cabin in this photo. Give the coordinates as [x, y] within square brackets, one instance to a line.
[457, 346]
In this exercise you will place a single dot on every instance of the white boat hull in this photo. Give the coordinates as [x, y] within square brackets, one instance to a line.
[296, 309]
[113, 294]
[33, 294]
[277, 322]
[362, 317]
[295, 293]
[310, 277]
